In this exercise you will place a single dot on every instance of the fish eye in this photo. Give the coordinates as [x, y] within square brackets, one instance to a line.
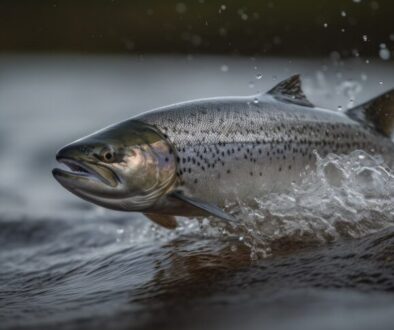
[107, 155]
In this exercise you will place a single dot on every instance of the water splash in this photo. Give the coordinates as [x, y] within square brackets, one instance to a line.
[347, 196]
[350, 89]
[344, 197]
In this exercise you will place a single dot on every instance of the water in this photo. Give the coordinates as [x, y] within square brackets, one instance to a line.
[317, 256]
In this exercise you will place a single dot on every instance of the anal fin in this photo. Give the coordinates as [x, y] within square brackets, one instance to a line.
[164, 220]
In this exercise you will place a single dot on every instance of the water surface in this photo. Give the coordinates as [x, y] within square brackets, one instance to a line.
[319, 256]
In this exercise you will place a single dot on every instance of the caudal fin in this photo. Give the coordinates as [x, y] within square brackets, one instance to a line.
[378, 113]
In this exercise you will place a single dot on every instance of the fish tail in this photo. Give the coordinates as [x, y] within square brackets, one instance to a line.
[377, 113]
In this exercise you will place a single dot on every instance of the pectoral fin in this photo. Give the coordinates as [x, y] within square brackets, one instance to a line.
[166, 221]
[205, 206]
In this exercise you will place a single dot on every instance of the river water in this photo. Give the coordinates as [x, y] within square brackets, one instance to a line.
[319, 256]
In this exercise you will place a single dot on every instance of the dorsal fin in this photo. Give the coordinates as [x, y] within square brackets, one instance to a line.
[290, 90]
[377, 113]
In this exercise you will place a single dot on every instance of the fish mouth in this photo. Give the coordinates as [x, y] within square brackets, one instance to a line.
[82, 171]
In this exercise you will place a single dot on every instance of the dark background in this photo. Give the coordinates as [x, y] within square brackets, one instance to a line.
[276, 27]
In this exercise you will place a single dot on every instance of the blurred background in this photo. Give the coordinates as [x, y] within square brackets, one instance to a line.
[254, 28]
[68, 68]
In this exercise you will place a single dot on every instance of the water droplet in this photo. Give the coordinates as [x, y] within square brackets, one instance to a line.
[222, 31]
[367, 61]
[325, 25]
[384, 54]
[277, 40]
[259, 76]
[180, 8]
[241, 238]
[380, 83]
[222, 8]
[335, 56]
[243, 15]
[224, 68]
[374, 5]
[196, 40]
[339, 108]
[343, 13]
[255, 100]
[365, 37]
[356, 1]
[349, 89]
[361, 156]
[342, 30]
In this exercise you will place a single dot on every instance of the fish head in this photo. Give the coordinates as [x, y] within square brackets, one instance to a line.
[127, 166]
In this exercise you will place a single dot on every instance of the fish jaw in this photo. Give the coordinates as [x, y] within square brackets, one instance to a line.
[81, 174]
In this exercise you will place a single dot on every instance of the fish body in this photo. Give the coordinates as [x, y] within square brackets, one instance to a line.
[214, 151]
[244, 147]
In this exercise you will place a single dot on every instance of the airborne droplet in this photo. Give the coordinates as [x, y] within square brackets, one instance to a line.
[384, 53]
[224, 68]
[180, 8]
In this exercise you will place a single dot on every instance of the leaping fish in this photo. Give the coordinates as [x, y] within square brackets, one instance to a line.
[189, 159]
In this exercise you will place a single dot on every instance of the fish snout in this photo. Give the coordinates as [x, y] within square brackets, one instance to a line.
[74, 152]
